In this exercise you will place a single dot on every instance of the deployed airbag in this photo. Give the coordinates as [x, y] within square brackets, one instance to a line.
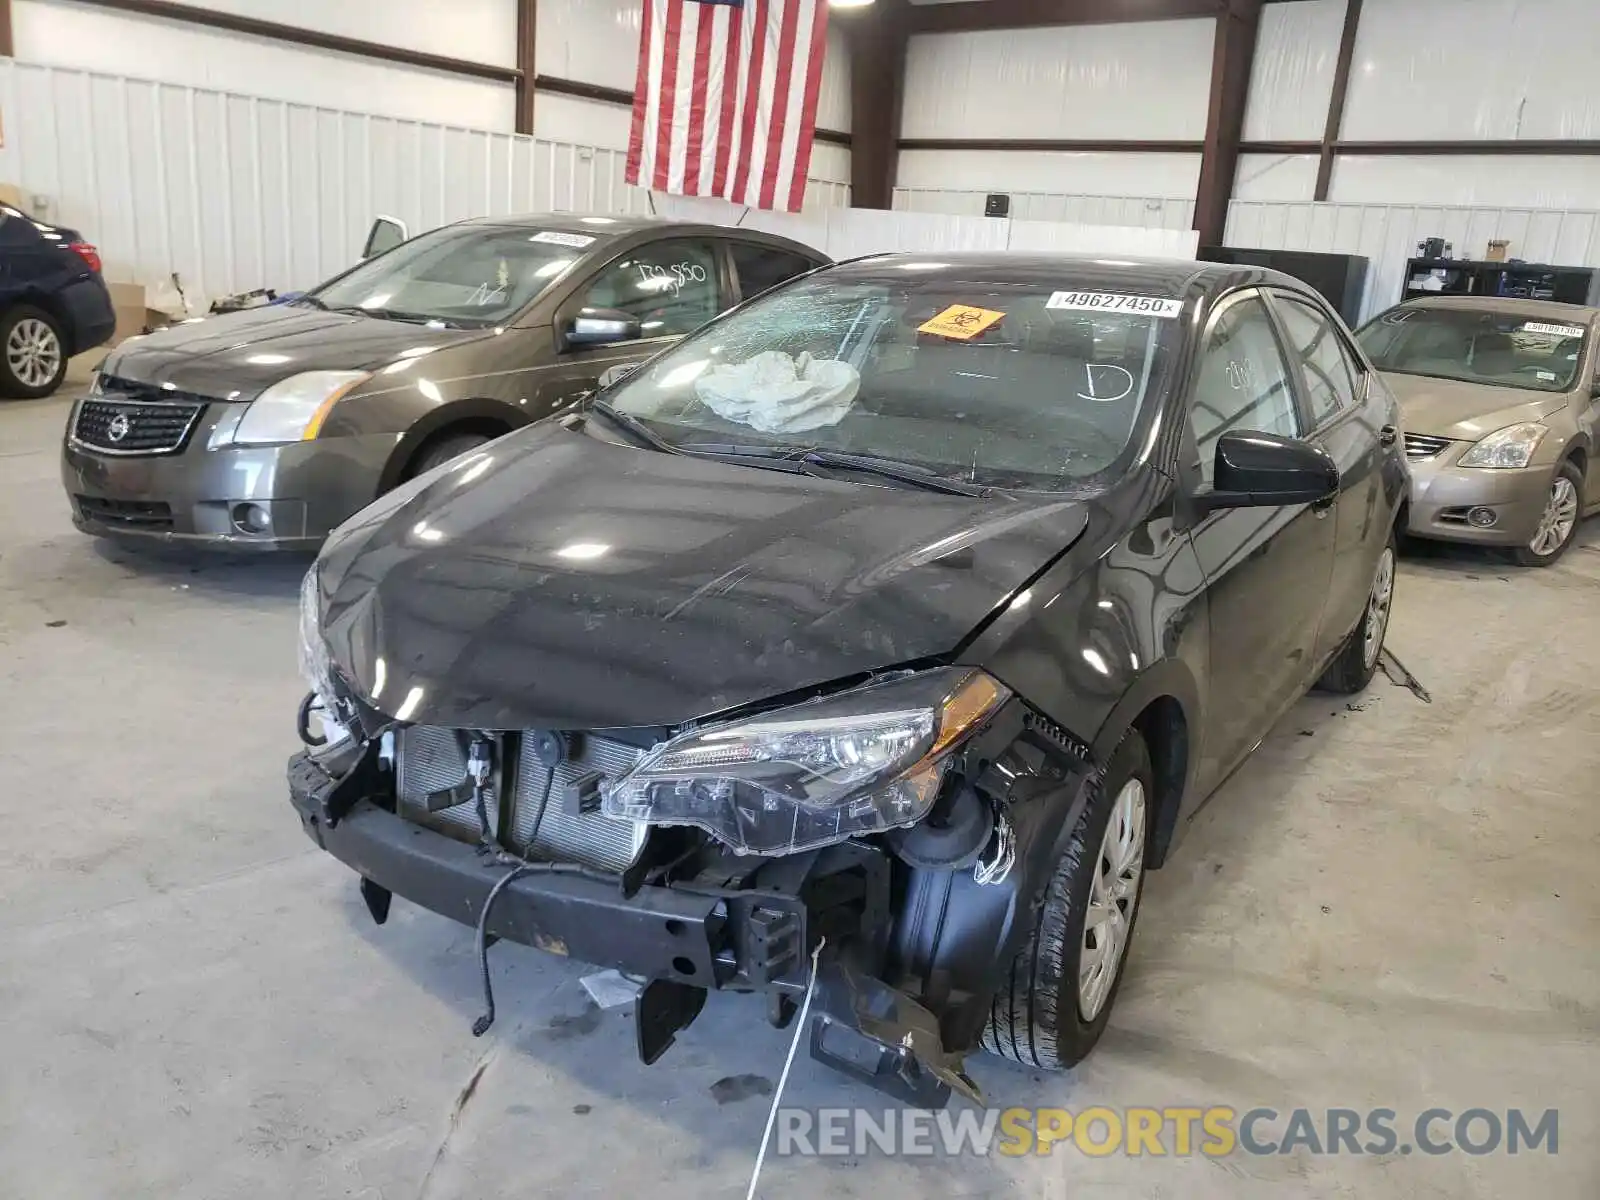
[776, 393]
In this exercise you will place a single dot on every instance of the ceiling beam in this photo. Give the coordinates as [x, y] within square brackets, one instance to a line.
[1021, 14]
[1341, 88]
[315, 39]
[527, 45]
[877, 36]
[1232, 58]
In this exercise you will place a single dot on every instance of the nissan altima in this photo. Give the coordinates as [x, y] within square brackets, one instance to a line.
[867, 648]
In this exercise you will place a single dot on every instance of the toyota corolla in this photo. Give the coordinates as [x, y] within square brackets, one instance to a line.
[869, 646]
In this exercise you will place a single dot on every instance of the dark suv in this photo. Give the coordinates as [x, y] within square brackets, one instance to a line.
[262, 430]
[53, 303]
[874, 641]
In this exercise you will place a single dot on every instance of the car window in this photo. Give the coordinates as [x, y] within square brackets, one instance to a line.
[669, 287]
[1243, 382]
[762, 268]
[1324, 365]
[1487, 345]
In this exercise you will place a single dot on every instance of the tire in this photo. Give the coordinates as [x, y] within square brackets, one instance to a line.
[1357, 663]
[437, 453]
[1038, 1016]
[1563, 509]
[33, 354]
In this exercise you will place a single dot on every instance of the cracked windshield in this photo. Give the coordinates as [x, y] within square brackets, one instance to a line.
[985, 383]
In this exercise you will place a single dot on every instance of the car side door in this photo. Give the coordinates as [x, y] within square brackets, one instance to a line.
[1266, 569]
[669, 287]
[1588, 407]
[1337, 396]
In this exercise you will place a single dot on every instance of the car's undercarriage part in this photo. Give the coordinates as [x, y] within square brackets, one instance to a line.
[953, 835]
[662, 1010]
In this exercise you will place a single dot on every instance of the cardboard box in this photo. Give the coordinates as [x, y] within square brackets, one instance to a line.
[11, 194]
[1497, 251]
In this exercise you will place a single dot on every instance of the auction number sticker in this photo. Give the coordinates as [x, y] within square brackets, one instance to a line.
[1144, 306]
[1560, 331]
[554, 237]
[961, 321]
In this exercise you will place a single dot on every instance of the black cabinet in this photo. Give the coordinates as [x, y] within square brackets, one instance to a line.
[1523, 281]
[1341, 279]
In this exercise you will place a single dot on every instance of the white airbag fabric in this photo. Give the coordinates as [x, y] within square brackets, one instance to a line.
[776, 393]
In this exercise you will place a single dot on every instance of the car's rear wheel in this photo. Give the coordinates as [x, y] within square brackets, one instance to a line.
[1357, 663]
[1054, 1006]
[1558, 524]
[33, 357]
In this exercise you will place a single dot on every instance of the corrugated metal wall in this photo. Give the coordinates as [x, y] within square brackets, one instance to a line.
[1388, 235]
[235, 192]
[1138, 212]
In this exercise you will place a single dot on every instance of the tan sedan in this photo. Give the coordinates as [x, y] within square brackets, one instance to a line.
[1501, 409]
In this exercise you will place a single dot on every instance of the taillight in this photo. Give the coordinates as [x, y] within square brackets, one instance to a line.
[88, 253]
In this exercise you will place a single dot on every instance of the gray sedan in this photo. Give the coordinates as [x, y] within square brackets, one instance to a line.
[266, 429]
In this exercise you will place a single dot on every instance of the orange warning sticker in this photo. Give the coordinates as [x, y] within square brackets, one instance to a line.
[961, 321]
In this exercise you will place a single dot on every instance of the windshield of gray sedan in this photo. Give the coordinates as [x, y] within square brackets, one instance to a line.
[1500, 349]
[466, 275]
[993, 384]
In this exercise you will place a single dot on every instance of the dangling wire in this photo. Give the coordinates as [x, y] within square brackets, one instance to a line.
[783, 1079]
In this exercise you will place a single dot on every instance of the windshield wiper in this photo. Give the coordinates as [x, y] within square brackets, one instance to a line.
[312, 301]
[391, 314]
[633, 425]
[869, 464]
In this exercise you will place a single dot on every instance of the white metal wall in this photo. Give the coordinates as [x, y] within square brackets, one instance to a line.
[1140, 212]
[234, 192]
[1388, 235]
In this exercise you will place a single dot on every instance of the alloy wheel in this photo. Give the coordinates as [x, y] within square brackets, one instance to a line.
[1376, 626]
[33, 352]
[1113, 893]
[1560, 515]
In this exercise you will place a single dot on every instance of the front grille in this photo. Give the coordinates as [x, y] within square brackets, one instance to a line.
[1420, 446]
[432, 790]
[134, 514]
[134, 427]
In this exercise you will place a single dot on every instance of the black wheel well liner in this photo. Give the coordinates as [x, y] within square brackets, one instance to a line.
[1162, 705]
[1578, 454]
[490, 418]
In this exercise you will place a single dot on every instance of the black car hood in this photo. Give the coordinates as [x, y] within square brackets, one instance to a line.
[561, 581]
[247, 352]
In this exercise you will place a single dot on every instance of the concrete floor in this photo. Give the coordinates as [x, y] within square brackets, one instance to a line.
[1400, 909]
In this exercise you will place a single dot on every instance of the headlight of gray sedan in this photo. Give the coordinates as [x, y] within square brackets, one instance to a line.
[863, 761]
[316, 667]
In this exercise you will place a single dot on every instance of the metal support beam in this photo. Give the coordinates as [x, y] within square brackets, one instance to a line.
[1341, 87]
[877, 35]
[1233, 54]
[7, 45]
[527, 44]
[1021, 14]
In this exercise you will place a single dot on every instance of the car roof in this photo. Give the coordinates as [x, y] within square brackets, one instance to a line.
[1168, 278]
[603, 226]
[1506, 304]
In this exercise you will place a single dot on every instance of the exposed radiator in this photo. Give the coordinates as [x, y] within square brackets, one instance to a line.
[432, 760]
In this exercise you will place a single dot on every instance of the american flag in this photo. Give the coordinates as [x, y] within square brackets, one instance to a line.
[726, 99]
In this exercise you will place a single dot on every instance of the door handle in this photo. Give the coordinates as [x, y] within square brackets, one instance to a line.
[1387, 435]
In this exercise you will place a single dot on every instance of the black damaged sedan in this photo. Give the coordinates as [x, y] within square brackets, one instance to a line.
[873, 642]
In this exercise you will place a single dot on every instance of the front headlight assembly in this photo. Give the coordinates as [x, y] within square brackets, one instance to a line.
[294, 409]
[864, 761]
[1505, 448]
[316, 666]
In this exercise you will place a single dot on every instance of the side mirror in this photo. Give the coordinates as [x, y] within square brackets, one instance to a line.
[1258, 470]
[602, 327]
[386, 233]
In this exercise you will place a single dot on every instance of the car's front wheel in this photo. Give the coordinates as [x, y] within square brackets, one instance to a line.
[1358, 660]
[33, 358]
[1559, 521]
[1054, 1006]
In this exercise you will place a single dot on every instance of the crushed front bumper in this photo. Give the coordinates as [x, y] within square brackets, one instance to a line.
[754, 939]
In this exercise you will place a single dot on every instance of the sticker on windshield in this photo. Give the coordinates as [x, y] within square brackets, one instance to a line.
[962, 321]
[1560, 331]
[1547, 376]
[1145, 306]
[554, 238]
